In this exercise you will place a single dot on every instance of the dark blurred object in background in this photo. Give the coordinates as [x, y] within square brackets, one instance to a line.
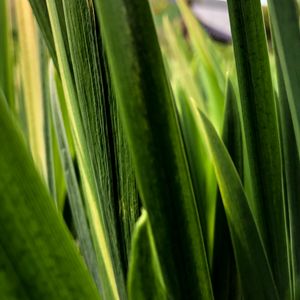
[213, 15]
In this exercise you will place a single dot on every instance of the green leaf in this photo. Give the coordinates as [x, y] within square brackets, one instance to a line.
[75, 198]
[148, 115]
[201, 169]
[40, 11]
[285, 23]
[144, 279]
[81, 31]
[291, 171]
[118, 200]
[37, 253]
[224, 271]
[91, 189]
[256, 278]
[261, 133]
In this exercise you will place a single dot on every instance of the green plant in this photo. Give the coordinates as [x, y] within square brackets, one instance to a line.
[138, 168]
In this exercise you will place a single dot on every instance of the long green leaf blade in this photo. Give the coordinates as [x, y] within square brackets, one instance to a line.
[261, 133]
[224, 272]
[144, 264]
[256, 279]
[291, 165]
[148, 115]
[40, 11]
[75, 198]
[285, 23]
[87, 172]
[33, 237]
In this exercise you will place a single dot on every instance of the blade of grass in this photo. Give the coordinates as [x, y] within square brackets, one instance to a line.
[185, 85]
[48, 138]
[97, 115]
[75, 198]
[103, 132]
[128, 198]
[261, 133]
[37, 244]
[285, 23]
[98, 226]
[224, 271]
[148, 115]
[256, 279]
[202, 174]
[291, 165]
[144, 264]
[40, 11]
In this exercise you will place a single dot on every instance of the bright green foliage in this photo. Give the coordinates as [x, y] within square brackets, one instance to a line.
[172, 160]
[256, 279]
[38, 257]
[75, 198]
[144, 264]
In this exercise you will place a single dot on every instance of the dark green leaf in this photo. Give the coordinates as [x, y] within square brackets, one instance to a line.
[291, 171]
[256, 278]
[148, 115]
[261, 133]
[224, 271]
[285, 23]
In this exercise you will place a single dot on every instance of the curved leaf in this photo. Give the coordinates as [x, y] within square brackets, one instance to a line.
[256, 278]
[34, 241]
[145, 280]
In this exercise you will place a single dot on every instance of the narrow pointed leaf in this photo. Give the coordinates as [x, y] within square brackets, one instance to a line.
[90, 187]
[224, 272]
[40, 11]
[144, 265]
[199, 167]
[261, 133]
[148, 115]
[285, 23]
[291, 171]
[74, 193]
[37, 246]
[256, 279]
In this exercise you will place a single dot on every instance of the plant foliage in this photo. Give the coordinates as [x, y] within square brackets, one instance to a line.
[140, 159]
